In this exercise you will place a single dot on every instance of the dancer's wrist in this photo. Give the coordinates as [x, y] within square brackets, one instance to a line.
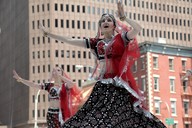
[122, 18]
[19, 80]
[45, 34]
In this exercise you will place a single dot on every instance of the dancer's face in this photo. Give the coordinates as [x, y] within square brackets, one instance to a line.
[107, 24]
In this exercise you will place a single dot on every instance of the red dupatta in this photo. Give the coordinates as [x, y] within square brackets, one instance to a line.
[69, 100]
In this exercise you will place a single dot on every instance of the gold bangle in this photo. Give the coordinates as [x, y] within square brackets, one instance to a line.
[45, 34]
[122, 18]
[19, 80]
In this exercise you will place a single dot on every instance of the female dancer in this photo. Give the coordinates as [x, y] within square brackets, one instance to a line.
[61, 92]
[115, 101]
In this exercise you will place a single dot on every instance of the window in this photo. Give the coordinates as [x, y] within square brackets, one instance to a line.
[78, 24]
[79, 54]
[186, 125]
[78, 8]
[73, 68]
[56, 53]
[84, 25]
[68, 68]
[89, 55]
[98, 11]
[183, 62]
[67, 7]
[186, 107]
[156, 83]
[38, 113]
[185, 85]
[79, 83]
[143, 84]
[44, 68]
[72, 8]
[84, 54]
[135, 66]
[173, 107]
[93, 10]
[33, 69]
[83, 9]
[155, 62]
[49, 68]
[89, 25]
[73, 24]
[67, 23]
[33, 113]
[68, 54]
[33, 55]
[172, 84]
[62, 53]
[84, 69]
[33, 24]
[61, 7]
[157, 106]
[38, 54]
[88, 10]
[56, 7]
[33, 9]
[142, 63]
[48, 23]
[37, 8]
[62, 23]
[48, 54]
[94, 26]
[56, 23]
[33, 98]
[38, 97]
[47, 7]
[43, 54]
[62, 66]
[38, 69]
[171, 64]
[73, 54]
[181, 36]
[43, 112]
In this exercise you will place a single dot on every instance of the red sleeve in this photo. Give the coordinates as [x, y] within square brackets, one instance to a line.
[91, 42]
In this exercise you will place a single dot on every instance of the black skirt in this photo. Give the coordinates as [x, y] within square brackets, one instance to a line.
[110, 107]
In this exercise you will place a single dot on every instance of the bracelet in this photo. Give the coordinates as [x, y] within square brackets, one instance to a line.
[19, 80]
[45, 34]
[122, 18]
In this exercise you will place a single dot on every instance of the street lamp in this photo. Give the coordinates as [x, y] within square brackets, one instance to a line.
[36, 101]
[169, 121]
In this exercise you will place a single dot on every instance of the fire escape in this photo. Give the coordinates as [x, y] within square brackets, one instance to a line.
[186, 96]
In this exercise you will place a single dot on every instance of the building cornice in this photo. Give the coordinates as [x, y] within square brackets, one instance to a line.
[167, 49]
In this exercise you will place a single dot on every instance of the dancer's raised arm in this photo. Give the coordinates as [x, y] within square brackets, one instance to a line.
[26, 82]
[75, 42]
[136, 27]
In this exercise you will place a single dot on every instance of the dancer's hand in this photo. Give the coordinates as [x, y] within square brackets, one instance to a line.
[43, 29]
[16, 76]
[55, 73]
[120, 11]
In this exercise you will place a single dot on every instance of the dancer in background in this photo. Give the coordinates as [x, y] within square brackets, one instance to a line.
[62, 91]
[115, 101]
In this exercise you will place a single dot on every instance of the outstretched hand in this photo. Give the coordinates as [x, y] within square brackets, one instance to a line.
[16, 76]
[120, 11]
[43, 29]
[55, 73]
